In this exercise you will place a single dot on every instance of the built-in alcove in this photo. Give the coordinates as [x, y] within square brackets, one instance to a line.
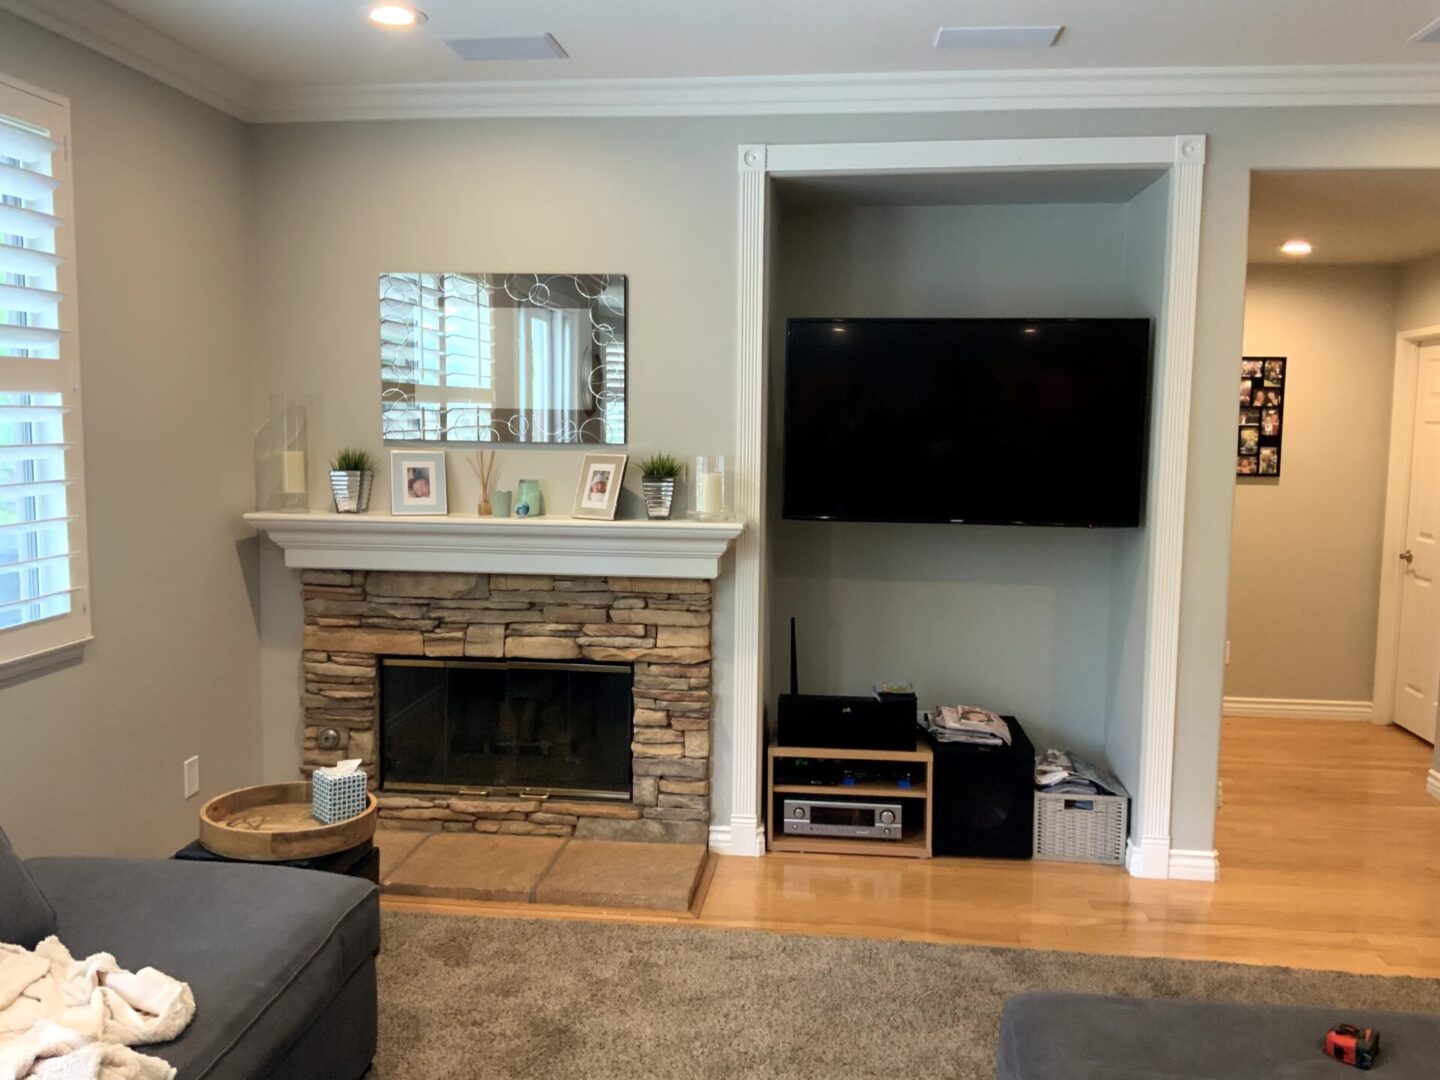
[1046, 623]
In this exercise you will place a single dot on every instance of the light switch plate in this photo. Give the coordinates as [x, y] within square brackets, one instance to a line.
[192, 777]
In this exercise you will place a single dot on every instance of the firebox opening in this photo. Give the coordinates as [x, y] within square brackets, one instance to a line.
[480, 727]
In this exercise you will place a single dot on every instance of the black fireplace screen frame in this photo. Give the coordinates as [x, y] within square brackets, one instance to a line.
[506, 727]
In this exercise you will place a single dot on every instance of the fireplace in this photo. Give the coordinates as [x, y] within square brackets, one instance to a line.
[431, 680]
[473, 727]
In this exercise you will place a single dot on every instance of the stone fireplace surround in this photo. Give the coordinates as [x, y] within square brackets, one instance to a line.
[660, 625]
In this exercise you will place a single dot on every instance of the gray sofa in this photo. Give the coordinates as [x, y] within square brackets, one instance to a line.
[1050, 1036]
[281, 961]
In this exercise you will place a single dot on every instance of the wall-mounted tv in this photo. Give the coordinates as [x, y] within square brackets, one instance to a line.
[978, 421]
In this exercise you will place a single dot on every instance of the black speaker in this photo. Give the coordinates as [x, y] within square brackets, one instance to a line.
[846, 723]
[984, 797]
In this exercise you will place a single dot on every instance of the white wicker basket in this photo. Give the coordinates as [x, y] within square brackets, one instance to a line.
[1081, 828]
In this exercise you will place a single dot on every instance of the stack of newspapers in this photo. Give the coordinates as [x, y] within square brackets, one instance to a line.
[966, 724]
[1064, 772]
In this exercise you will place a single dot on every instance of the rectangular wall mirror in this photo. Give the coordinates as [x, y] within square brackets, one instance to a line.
[509, 358]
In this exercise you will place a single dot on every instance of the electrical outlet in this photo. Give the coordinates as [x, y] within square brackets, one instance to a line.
[192, 777]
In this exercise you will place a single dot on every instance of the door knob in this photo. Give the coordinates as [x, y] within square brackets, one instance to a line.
[1408, 556]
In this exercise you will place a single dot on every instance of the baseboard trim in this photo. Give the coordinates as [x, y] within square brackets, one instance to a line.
[738, 838]
[1298, 709]
[1432, 784]
[1194, 865]
[1148, 859]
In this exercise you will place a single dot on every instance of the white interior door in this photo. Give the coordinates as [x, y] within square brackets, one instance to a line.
[1417, 674]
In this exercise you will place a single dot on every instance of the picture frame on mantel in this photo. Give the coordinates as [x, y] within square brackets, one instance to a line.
[601, 478]
[417, 482]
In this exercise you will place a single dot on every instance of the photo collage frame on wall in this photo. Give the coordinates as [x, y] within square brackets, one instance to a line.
[1262, 416]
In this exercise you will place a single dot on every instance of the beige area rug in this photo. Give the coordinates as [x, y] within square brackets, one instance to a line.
[476, 998]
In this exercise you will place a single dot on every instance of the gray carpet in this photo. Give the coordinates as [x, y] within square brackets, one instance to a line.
[477, 998]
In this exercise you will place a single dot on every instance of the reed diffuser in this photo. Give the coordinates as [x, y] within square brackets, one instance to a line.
[483, 464]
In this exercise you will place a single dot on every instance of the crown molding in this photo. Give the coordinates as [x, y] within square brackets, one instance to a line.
[110, 32]
[958, 91]
[126, 40]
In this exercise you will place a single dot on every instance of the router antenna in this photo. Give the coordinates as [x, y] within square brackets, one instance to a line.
[794, 664]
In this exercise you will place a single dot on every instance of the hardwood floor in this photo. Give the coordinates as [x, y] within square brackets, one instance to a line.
[1329, 855]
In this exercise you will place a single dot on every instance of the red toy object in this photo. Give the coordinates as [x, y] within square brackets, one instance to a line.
[1352, 1045]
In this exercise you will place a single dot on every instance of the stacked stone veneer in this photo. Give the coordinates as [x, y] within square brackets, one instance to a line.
[661, 626]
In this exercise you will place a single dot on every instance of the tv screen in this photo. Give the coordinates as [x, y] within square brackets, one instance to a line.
[985, 421]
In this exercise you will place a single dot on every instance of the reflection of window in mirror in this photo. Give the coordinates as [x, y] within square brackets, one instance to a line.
[504, 358]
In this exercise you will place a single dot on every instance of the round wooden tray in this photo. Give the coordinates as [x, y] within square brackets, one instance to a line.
[272, 823]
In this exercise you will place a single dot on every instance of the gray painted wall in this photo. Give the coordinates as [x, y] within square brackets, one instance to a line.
[1304, 581]
[593, 197]
[90, 757]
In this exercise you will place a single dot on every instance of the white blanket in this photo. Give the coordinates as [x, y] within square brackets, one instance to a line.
[68, 1019]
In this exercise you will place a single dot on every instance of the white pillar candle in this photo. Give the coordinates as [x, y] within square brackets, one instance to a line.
[710, 493]
[292, 469]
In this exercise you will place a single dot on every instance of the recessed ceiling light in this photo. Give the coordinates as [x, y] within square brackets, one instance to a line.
[395, 16]
[1297, 248]
[996, 37]
[1430, 35]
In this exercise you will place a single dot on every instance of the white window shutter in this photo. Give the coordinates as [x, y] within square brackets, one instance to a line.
[44, 602]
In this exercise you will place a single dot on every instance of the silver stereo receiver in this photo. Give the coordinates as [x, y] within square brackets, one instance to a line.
[822, 817]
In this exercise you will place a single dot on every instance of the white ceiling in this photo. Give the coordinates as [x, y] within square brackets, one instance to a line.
[1349, 215]
[298, 60]
[328, 42]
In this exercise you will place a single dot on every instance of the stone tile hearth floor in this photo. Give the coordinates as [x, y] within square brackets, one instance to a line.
[539, 869]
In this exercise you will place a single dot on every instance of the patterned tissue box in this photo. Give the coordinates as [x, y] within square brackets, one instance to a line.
[338, 792]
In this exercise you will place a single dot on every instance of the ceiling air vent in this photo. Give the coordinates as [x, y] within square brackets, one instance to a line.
[996, 37]
[508, 47]
[1428, 36]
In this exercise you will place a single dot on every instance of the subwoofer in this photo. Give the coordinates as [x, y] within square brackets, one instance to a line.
[984, 797]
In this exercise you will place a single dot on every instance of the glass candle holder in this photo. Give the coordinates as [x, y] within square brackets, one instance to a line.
[281, 462]
[709, 488]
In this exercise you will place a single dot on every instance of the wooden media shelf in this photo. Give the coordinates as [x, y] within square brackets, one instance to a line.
[914, 842]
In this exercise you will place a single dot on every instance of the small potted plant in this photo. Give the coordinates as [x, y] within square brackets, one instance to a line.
[352, 475]
[657, 482]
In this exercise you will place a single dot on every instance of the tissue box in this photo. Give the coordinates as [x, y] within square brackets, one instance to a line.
[338, 793]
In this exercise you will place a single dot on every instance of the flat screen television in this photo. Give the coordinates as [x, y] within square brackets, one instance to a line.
[983, 421]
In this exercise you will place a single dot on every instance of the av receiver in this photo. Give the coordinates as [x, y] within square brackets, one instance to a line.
[821, 817]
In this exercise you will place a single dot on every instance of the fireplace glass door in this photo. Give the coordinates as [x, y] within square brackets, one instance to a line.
[502, 727]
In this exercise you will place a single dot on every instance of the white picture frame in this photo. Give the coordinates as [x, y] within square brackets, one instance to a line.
[601, 478]
[417, 482]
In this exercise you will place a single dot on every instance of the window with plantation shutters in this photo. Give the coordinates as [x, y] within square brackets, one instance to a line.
[44, 609]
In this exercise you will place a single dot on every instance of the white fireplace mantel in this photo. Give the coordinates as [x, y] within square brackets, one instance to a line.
[465, 543]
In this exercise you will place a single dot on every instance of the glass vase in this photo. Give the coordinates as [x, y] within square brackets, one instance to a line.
[281, 456]
[709, 488]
